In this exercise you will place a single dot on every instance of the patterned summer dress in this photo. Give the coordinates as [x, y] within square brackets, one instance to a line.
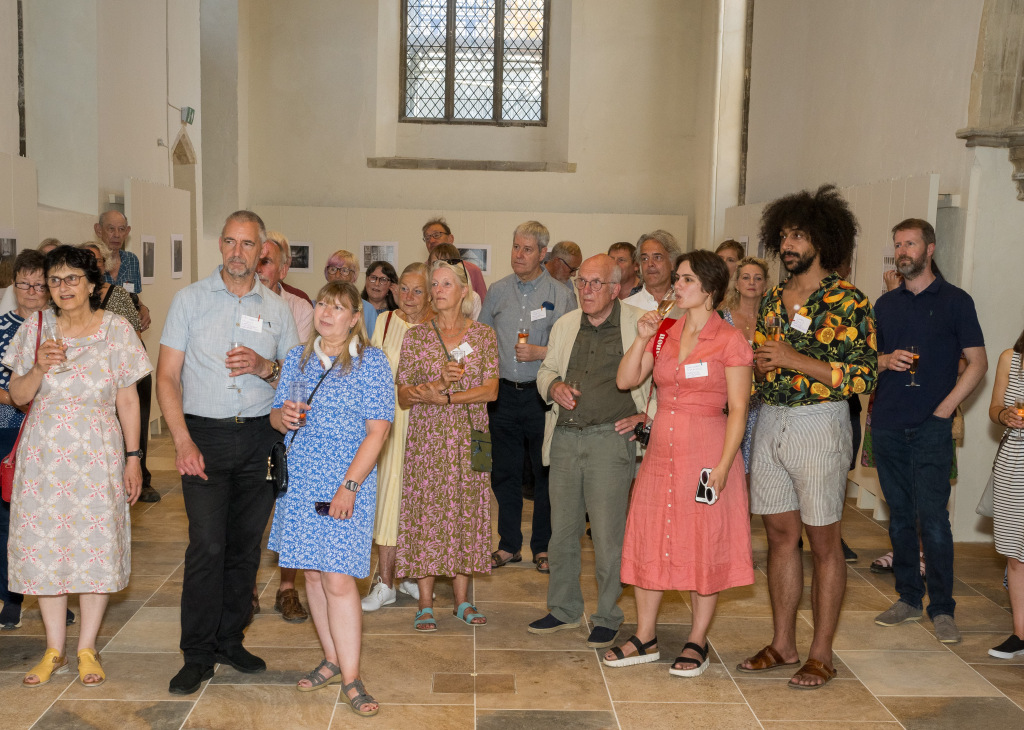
[445, 523]
[70, 531]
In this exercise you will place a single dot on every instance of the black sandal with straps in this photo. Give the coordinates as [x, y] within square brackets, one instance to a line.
[699, 666]
[641, 656]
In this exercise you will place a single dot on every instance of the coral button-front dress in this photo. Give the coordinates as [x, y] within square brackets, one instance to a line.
[672, 541]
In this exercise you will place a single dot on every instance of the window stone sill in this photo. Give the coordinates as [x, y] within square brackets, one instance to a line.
[430, 163]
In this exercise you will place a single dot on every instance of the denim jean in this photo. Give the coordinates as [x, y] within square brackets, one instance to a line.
[913, 469]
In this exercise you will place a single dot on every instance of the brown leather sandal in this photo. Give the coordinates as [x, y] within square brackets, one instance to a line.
[765, 660]
[813, 668]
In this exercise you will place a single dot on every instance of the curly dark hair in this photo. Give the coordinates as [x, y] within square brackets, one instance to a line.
[72, 257]
[711, 271]
[825, 216]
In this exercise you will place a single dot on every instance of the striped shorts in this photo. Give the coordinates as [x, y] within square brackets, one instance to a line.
[799, 461]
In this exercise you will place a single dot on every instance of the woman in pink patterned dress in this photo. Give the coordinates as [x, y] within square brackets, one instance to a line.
[447, 373]
[78, 462]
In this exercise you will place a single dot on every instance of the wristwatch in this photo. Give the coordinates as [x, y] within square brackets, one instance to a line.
[137, 452]
[351, 485]
[275, 371]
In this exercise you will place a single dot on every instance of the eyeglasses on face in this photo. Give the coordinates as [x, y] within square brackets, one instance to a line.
[71, 280]
[435, 236]
[572, 269]
[595, 285]
[343, 270]
[378, 280]
[25, 286]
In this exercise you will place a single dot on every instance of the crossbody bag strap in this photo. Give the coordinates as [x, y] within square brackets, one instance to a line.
[387, 323]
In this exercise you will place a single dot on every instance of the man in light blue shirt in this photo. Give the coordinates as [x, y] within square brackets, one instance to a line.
[528, 300]
[221, 352]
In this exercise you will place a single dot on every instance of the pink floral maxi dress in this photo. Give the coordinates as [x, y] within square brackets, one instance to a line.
[70, 530]
[445, 522]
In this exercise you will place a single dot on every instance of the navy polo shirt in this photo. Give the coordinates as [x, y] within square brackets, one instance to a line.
[942, 322]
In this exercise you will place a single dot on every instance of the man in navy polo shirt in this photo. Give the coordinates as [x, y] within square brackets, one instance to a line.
[911, 424]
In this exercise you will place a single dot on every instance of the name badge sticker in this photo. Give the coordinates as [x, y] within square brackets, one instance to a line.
[800, 323]
[252, 324]
[696, 370]
[466, 348]
[538, 314]
[128, 287]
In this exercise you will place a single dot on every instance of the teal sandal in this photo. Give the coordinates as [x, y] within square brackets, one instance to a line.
[467, 612]
[420, 621]
[317, 680]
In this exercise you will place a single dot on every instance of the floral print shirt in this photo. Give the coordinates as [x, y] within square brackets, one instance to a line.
[841, 332]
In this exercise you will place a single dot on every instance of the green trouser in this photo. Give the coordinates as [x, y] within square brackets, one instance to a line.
[591, 470]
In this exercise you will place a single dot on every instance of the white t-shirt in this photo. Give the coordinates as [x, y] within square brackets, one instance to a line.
[643, 299]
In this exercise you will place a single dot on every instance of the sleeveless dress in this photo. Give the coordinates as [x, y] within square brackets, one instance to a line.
[1008, 477]
[672, 541]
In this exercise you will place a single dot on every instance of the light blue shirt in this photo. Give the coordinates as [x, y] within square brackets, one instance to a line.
[513, 303]
[369, 318]
[203, 321]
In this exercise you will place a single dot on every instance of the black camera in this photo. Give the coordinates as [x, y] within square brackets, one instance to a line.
[642, 431]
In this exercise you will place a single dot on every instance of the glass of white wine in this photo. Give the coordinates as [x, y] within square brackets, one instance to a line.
[912, 349]
[571, 420]
[667, 304]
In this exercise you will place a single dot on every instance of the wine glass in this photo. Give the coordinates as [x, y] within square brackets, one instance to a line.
[571, 420]
[233, 385]
[667, 304]
[458, 355]
[1018, 405]
[522, 337]
[912, 349]
[773, 331]
[52, 331]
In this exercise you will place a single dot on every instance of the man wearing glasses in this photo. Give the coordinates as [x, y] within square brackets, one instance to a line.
[563, 262]
[528, 301]
[588, 444]
[436, 232]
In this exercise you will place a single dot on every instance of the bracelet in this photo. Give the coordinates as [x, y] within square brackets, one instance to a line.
[999, 416]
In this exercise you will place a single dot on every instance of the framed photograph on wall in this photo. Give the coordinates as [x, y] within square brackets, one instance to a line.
[478, 254]
[177, 255]
[302, 254]
[8, 247]
[148, 259]
[378, 251]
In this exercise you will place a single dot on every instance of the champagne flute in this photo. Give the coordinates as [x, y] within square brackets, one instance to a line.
[522, 337]
[52, 331]
[667, 304]
[297, 394]
[773, 331]
[575, 385]
[1018, 405]
[912, 349]
[458, 355]
[233, 384]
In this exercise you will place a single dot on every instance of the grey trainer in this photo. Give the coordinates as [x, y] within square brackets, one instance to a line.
[899, 613]
[945, 629]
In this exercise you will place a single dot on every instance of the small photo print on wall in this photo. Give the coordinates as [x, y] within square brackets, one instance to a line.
[8, 251]
[148, 259]
[301, 255]
[177, 255]
[478, 254]
[378, 251]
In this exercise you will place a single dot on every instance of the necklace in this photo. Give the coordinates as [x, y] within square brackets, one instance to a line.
[81, 330]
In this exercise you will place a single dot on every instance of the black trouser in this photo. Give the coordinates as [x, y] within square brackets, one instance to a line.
[517, 426]
[145, 388]
[226, 517]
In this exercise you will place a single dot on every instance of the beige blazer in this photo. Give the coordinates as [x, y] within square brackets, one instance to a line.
[560, 342]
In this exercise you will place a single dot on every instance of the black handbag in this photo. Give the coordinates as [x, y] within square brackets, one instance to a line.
[277, 461]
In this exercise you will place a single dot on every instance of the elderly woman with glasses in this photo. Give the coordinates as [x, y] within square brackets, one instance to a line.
[341, 266]
[70, 510]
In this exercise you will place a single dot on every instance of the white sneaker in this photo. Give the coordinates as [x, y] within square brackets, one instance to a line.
[410, 588]
[380, 595]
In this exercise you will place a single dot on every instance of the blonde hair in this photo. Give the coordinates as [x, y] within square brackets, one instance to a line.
[460, 276]
[732, 296]
[343, 293]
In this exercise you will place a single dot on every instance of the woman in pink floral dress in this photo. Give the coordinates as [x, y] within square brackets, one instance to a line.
[447, 373]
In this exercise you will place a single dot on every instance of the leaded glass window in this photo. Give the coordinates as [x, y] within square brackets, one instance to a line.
[482, 61]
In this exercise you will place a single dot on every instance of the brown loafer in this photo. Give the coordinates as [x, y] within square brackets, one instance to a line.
[288, 605]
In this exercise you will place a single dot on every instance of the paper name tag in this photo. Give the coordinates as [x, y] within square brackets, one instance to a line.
[538, 314]
[252, 324]
[800, 323]
[128, 287]
[467, 350]
[696, 370]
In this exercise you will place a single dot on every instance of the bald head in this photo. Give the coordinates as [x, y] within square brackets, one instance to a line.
[600, 277]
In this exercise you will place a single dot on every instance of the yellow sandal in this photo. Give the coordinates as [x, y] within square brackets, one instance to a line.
[53, 662]
[89, 663]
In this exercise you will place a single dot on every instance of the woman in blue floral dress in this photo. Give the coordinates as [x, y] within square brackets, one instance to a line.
[332, 459]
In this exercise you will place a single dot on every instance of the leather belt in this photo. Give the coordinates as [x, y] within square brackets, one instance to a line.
[230, 419]
[523, 385]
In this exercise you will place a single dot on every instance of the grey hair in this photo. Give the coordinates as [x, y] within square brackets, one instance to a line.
[246, 216]
[105, 213]
[536, 231]
[103, 248]
[281, 241]
[566, 248]
[438, 221]
[666, 239]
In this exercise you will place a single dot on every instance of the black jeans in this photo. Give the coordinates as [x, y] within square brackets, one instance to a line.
[517, 426]
[226, 517]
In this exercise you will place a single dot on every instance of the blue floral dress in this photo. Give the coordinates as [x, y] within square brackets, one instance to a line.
[320, 456]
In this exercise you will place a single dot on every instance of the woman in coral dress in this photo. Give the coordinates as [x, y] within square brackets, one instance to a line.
[673, 541]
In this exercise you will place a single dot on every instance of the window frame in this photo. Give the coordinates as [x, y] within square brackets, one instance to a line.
[449, 74]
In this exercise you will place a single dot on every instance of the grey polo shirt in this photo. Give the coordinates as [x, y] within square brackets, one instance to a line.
[203, 321]
[513, 303]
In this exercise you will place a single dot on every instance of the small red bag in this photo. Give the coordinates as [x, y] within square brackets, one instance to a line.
[8, 463]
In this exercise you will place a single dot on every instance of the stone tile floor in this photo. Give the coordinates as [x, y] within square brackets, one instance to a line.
[499, 676]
